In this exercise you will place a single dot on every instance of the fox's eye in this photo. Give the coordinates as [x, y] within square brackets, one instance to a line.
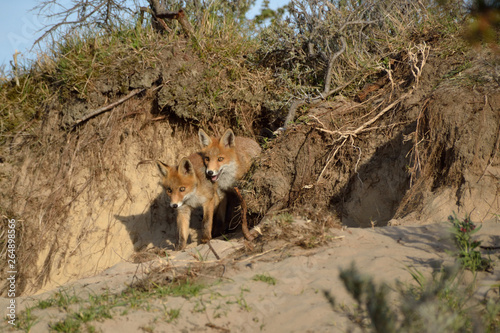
[207, 159]
[182, 189]
[169, 190]
[220, 159]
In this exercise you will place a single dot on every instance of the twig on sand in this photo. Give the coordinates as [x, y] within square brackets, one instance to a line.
[262, 253]
[213, 250]
[220, 328]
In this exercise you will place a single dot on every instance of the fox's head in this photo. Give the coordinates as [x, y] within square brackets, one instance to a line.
[179, 183]
[218, 153]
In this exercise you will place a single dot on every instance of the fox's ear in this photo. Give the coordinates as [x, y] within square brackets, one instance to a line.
[205, 139]
[186, 167]
[228, 138]
[163, 168]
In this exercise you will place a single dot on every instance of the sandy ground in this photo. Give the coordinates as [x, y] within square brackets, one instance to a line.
[296, 303]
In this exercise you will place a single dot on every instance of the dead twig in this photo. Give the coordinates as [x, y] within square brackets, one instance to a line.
[496, 147]
[331, 61]
[107, 107]
[262, 253]
[363, 128]
[220, 328]
[213, 250]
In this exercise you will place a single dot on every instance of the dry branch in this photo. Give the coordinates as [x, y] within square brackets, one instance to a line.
[81, 14]
[331, 61]
[108, 107]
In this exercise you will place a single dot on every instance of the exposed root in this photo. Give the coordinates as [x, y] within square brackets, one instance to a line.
[244, 223]
[418, 60]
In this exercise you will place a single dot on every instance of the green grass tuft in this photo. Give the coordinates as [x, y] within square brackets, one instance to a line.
[265, 278]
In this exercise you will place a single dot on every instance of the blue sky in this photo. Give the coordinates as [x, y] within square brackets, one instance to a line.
[19, 27]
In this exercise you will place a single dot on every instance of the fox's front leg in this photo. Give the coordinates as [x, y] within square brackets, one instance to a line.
[208, 219]
[183, 217]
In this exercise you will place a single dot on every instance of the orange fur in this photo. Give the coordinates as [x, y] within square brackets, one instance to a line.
[228, 158]
[187, 187]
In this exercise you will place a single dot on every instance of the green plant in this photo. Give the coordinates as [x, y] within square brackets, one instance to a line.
[284, 218]
[183, 288]
[370, 297]
[240, 300]
[491, 315]
[437, 304]
[26, 321]
[97, 307]
[443, 294]
[468, 255]
[265, 278]
[172, 314]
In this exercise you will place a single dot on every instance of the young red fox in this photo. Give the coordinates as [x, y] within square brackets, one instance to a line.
[187, 187]
[227, 158]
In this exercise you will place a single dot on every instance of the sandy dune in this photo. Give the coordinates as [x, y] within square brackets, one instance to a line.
[295, 303]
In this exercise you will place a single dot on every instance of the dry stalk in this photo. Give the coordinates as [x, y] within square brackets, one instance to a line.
[418, 60]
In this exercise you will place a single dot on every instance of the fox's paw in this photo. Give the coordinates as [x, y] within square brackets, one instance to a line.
[205, 239]
[180, 246]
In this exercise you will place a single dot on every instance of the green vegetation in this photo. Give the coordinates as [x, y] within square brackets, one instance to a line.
[265, 278]
[81, 312]
[26, 321]
[468, 255]
[442, 303]
[172, 314]
[283, 218]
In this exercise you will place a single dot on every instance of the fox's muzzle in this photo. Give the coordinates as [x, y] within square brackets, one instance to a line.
[213, 175]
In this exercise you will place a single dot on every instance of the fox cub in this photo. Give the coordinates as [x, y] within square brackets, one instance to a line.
[187, 187]
[228, 158]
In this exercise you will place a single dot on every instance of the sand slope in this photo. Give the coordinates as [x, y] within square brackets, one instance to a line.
[296, 303]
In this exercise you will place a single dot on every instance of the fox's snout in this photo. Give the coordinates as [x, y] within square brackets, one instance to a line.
[213, 175]
[175, 205]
